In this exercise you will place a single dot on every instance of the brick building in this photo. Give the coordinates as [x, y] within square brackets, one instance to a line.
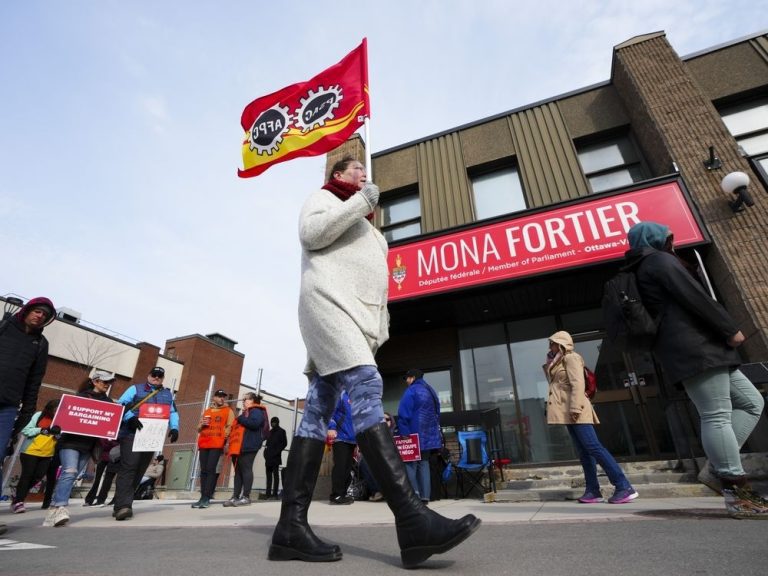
[504, 230]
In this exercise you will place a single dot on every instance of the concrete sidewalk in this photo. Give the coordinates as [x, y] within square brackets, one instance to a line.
[178, 513]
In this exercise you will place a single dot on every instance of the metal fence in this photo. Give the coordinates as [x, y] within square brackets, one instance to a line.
[183, 472]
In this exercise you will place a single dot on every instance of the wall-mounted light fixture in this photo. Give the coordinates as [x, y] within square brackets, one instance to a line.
[713, 162]
[11, 305]
[736, 183]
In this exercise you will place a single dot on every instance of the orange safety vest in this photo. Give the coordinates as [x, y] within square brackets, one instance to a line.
[238, 431]
[236, 439]
[215, 434]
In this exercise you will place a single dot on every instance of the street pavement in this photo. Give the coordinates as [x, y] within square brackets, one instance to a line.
[169, 538]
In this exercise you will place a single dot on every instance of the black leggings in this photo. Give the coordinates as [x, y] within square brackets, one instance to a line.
[209, 459]
[33, 468]
[243, 474]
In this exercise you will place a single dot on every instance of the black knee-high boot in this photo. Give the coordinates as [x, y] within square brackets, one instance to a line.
[293, 539]
[421, 532]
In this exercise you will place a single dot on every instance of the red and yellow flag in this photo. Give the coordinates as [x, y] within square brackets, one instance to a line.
[308, 118]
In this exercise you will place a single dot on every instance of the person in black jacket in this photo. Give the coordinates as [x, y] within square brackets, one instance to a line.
[696, 344]
[248, 426]
[76, 450]
[273, 456]
[23, 359]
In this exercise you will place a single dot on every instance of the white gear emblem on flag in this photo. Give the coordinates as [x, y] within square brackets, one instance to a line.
[318, 107]
[268, 129]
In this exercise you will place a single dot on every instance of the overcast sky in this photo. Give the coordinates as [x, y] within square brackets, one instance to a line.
[120, 137]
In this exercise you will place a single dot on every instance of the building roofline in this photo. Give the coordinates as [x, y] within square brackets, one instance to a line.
[727, 44]
[635, 39]
[491, 118]
[201, 337]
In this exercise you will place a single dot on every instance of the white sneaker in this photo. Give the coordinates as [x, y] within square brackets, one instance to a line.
[60, 516]
[48, 522]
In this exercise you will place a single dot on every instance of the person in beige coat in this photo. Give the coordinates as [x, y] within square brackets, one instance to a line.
[568, 405]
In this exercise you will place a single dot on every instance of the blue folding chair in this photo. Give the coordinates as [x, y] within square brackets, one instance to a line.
[474, 462]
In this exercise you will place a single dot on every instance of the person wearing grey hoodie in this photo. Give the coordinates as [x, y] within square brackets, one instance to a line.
[343, 320]
[696, 344]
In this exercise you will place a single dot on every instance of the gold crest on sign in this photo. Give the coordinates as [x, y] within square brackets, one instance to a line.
[398, 272]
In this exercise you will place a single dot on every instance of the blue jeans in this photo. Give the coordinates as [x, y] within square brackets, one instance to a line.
[72, 464]
[591, 453]
[7, 418]
[364, 386]
[420, 477]
[729, 407]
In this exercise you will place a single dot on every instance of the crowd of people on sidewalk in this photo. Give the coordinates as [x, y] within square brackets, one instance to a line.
[343, 321]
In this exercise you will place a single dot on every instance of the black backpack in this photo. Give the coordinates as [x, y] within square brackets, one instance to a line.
[628, 323]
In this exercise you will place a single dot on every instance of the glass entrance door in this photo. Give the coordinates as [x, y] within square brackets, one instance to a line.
[500, 371]
[628, 402]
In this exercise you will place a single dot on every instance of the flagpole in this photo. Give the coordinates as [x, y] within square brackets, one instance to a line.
[368, 167]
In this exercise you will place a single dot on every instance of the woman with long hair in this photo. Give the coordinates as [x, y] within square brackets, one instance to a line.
[244, 443]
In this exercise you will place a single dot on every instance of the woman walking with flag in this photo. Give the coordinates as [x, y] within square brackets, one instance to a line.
[344, 320]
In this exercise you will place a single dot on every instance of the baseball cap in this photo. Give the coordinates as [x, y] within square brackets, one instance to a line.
[103, 375]
[220, 392]
[157, 371]
[415, 372]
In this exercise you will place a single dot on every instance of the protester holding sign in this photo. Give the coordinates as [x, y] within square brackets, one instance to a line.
[419, 413]
[75, 450]
[150, 395]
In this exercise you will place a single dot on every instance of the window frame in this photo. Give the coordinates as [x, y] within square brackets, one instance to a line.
[759, 99]
[608, 138]
[394, 196]
[488, 169]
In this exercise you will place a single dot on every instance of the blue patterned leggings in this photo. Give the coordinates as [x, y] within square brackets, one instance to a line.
[364, 386]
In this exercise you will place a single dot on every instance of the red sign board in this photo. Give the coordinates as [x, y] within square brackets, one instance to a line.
[88, 417]
[409, 448]
[161, 411]
[585, 233]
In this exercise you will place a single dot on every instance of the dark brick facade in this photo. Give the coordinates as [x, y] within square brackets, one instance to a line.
[675, 121]
[202, 359]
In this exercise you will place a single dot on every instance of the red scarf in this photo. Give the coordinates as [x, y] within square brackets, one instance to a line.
[343, 191]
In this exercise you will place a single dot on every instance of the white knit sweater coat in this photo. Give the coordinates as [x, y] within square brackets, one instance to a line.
[343, 314]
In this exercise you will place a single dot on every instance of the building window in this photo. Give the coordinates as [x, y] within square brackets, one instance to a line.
[748, 124]
[401, 217]
[610, 164]
[497, 193]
